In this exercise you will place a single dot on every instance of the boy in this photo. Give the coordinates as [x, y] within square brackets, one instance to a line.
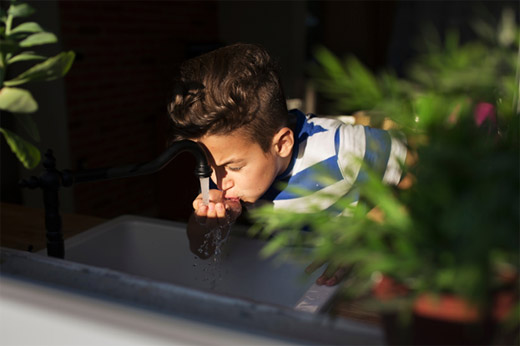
[231, 102]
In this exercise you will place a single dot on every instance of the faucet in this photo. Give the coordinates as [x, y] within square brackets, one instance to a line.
[51, 180]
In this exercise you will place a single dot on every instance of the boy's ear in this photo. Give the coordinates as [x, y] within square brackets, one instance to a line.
[283, 142]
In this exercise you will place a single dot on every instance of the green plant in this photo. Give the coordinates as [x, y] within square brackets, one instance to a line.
[457, 225]
[16, 44]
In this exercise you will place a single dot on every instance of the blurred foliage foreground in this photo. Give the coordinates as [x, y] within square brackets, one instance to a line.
[18, 41]
[457, 226]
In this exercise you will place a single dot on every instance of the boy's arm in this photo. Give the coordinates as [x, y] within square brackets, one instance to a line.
[334, 275]
[406, 182]
[331, 276]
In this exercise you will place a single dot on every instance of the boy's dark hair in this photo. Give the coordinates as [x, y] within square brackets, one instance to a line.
[236, 87]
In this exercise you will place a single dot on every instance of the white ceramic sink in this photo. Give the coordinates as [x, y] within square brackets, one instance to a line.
[146, 263]
[158, 250]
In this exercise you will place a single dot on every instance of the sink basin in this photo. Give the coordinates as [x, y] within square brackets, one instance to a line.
[146, 263]
[159, 250]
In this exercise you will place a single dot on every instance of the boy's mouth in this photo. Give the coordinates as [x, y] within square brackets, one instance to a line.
[234, 199]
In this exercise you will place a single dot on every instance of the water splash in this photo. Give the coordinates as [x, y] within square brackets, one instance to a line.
[214, 242]
[204, 188]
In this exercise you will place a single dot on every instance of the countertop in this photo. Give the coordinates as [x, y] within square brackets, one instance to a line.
[23, 228]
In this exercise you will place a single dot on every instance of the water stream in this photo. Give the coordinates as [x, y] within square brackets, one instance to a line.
[204, 188]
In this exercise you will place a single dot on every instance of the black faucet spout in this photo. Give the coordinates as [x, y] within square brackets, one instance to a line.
[51, 180]
[202, 168]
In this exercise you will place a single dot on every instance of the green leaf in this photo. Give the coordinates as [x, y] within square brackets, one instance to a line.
[21, 10]
[27, 153]
[26, 56]
[329, 61]
[363, 78]
[52, 68]
[29, 125]
[31, 27]
[274, 245]
[16, 100]
[39, 38]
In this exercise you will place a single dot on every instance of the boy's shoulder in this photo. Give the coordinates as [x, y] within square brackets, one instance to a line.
[327, 121]
[335, 128]
[310, 123]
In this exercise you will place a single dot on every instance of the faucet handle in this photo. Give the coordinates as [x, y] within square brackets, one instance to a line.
[49, 162]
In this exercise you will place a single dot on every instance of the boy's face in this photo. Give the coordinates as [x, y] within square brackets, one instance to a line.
[241, 168]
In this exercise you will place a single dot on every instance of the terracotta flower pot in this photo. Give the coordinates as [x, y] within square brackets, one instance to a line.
[441, 319]
[449, 320]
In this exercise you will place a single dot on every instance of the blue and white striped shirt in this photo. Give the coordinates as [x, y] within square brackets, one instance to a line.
[331, 146]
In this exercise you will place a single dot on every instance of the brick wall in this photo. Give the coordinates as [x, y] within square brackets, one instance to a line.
[127, 53]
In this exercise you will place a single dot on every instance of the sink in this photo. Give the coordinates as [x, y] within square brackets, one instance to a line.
[159, 250]
[146, 263]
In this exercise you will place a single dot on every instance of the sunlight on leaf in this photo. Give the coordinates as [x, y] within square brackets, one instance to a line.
[21, 10]
[17, 100]
[27, 153]
[29, 27]
[25, 56]
[50, 69]
[39, 38]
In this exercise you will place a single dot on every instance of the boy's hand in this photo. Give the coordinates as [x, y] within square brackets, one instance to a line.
[218, 212]
[331, 276]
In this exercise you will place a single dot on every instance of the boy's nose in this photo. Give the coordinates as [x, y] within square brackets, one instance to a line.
[220, 177]
[226, 183]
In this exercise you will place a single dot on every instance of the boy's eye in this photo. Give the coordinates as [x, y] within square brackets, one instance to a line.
[234, 169]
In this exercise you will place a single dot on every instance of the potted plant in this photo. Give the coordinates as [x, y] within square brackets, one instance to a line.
[17, 41]
[454, 233]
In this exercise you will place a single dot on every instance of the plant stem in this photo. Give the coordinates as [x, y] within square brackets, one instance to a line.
[3, 58]
[8, 24]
